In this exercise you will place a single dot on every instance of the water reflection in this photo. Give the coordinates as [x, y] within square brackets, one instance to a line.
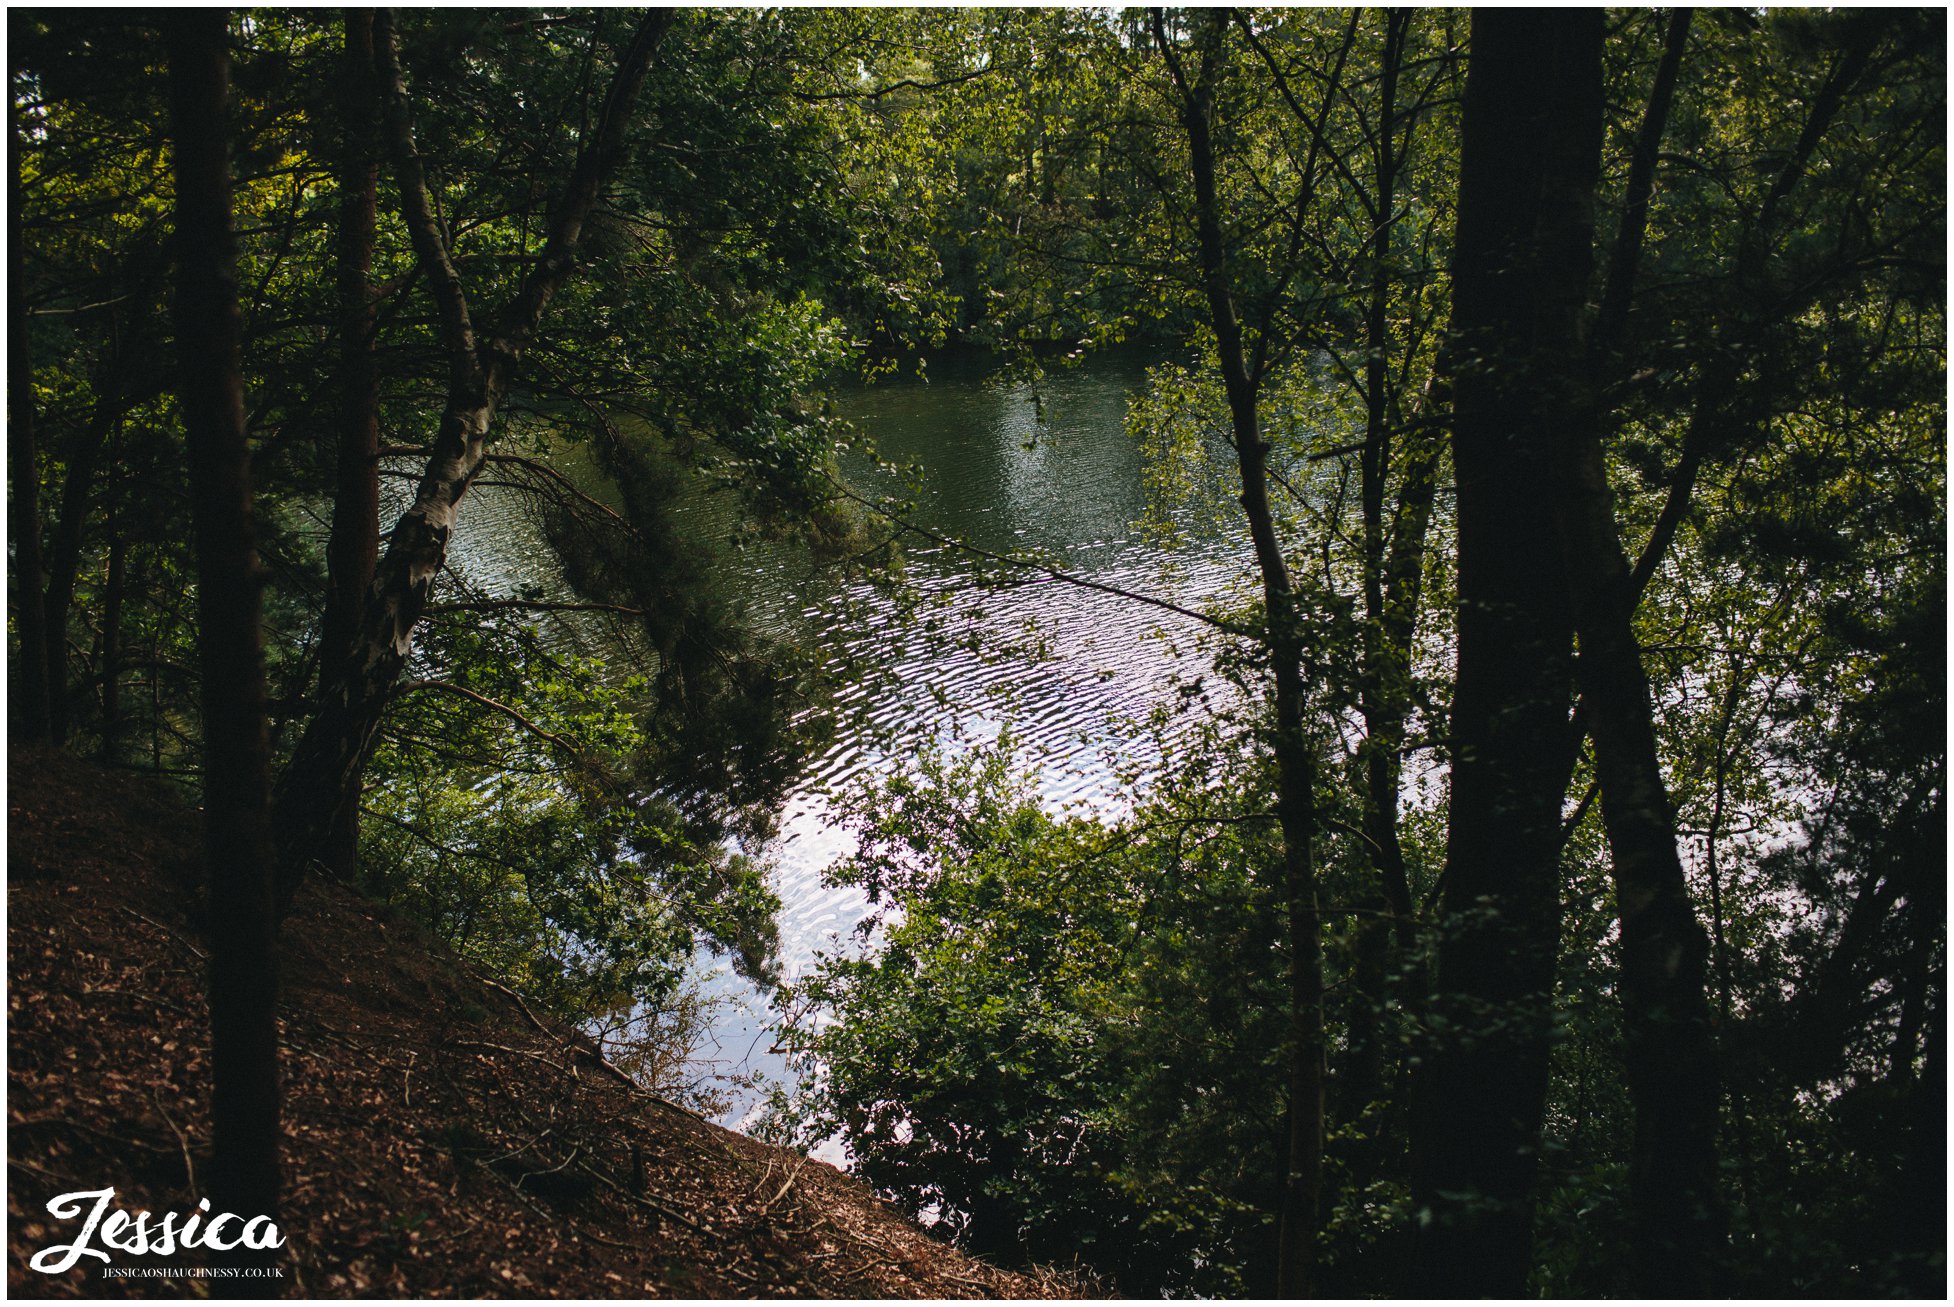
[1012, 469]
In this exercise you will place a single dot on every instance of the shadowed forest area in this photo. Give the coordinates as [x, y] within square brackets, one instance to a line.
[1513, 856]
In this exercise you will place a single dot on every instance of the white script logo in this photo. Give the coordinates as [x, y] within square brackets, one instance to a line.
[136, 1236]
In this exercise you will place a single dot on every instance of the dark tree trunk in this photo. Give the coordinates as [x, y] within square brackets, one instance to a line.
[70, 528]
[1623, 259]
[30, 715]
[1670, 1052]
[1529, 163]
[1386, 704]
[237, 756]
[1384, 683]
[324, 774]
[1677, 1212]
[112, 591]
[1295, 762]
[353, 549]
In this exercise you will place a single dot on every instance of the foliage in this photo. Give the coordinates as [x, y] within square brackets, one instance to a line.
[1049, 1051]
[1779, 408]
[560, 815]
[1068, 1038]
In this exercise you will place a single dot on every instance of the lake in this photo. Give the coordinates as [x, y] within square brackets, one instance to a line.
[1019, 469]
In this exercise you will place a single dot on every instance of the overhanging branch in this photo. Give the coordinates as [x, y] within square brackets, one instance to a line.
[494, 705]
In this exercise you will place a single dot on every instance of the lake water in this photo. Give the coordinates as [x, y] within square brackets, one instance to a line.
[1010, 469]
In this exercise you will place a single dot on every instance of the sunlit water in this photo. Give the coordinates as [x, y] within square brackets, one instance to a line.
[1013, 470]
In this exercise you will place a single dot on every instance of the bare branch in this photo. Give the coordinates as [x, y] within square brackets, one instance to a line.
[1056, 574]
[530, 605]
[417, 208]
[494, 705]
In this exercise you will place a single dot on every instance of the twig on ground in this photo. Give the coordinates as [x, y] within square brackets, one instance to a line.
[141, 996]
[649, 1204]
[782, 1191]
[182, 1140]
[167, 931]
[597, 1059]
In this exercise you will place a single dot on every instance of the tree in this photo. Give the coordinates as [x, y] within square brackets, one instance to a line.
[1047, 1051]
[1290, 741]
[353, 549]
[1670, 1059]
[237, 766]
[322, 778]
[1665, 950]
[30, 719]
[1528, 163]
[84, 301]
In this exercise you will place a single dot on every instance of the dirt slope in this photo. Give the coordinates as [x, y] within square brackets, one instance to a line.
[442, 1139]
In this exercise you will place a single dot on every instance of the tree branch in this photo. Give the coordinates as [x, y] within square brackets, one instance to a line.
[494, 705]
[417, 208]
[1627, 252]
[1055, 573]
[535, 605]
[594, 163]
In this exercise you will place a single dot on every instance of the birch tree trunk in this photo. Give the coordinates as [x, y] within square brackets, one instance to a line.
[324, 774]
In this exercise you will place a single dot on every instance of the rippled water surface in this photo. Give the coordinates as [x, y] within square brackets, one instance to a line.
[1046, 470]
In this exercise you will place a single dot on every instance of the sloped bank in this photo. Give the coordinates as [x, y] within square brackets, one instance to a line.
[442, 1137]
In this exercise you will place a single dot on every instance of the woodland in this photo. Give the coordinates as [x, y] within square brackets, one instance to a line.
[1554, 905]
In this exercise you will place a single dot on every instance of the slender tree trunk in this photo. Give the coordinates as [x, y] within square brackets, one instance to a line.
[1670, 1052]
[353, 549]
[30, 716]
[1383, 684]
[323, 776]
[1529, 163]
[237, 755]
[1386, 703]
[1677, 1211]
[112, 591]
[1295, 762]
[1626, 255]
[70, 528]
[1404, 586]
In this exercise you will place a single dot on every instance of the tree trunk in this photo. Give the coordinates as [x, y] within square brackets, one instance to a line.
[1386, 704]
[70, 528]
[1384, 681]
[1619, 284]
[1677, 1211]
[1529, 163]
[112, 591]
[30, 717]
[237, 754]
[1670, 1052]
[1295, 763]
[353, 549]
[323, 776]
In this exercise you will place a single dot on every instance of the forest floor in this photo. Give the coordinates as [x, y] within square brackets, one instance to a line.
[442, 1137]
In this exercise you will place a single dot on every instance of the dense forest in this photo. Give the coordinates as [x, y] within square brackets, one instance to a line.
[1540, 889]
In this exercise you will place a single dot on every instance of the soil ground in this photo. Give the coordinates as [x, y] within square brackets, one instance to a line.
[443, 1138]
